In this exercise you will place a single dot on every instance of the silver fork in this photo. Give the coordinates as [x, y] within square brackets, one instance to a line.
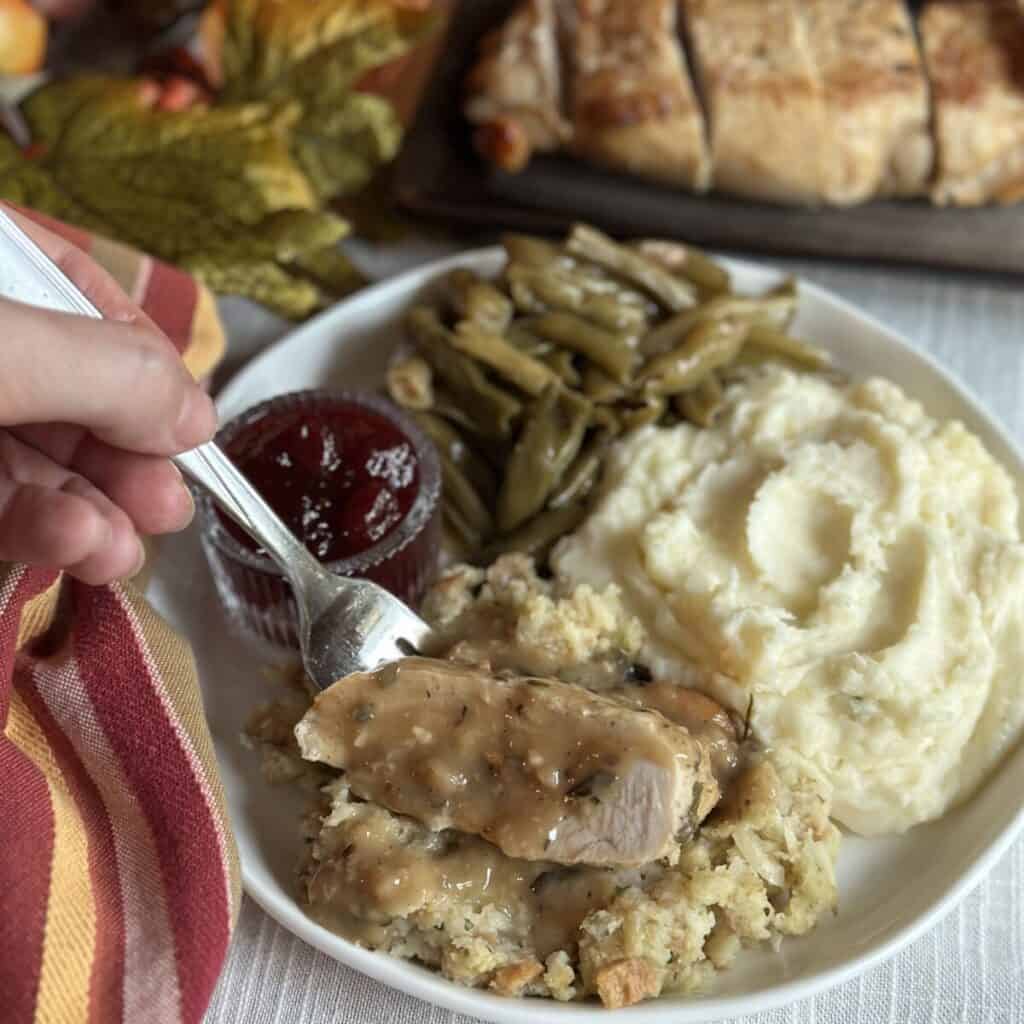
[345, 625]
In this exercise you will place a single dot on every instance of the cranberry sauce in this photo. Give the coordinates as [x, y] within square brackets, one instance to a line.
[341, 477]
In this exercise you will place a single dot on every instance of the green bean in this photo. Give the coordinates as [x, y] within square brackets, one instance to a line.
[614, 315]
[539, 254]
[534, 252]
[525, 340]
[539, 535]
[773, 311]
[450, 443]
[537, 291]
[480, 301]
[410, 382]
[563, 362]
[777, 343]
[521, 286]
[608, 350]
[446, 407]
[707, 275]
[707, 347]
[749, 355]
[549, 441]
[457, 490]
[669, 333]
[597, 281]
[672, 292]
[604, 417]
[702, 404]
[649, 410]
[581, 476]
[525, 372]
[689, 261]
[600, 388]
[492, 411]
[574, 345]
[464, 534]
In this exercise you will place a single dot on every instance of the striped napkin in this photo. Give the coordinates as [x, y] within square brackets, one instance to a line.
[119, 879]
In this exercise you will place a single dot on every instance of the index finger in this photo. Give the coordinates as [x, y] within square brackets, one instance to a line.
[108, 377]
[98, 286]
[122, 377]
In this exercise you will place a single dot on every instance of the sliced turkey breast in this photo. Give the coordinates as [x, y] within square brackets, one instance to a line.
[876, 99]
[542, 769]
[812, 101]
[974, 50]
[703, 718]
[515, 89]
[633, 103]
[765, 104]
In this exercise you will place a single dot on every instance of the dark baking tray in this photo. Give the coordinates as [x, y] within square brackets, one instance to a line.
[439, 176]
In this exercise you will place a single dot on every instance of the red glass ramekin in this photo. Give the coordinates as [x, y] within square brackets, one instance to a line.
[255, 595]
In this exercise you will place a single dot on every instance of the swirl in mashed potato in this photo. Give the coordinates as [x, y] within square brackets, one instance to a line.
[849, 562]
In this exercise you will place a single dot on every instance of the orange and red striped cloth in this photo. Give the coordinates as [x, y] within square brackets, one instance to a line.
[119, 879]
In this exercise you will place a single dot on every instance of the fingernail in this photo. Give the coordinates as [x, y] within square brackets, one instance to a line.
[140, 561]
[197, 421]
[188, 494]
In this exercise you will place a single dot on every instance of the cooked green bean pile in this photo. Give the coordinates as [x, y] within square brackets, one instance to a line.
[523, 382]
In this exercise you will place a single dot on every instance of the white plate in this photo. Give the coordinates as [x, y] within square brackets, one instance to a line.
[891, 890]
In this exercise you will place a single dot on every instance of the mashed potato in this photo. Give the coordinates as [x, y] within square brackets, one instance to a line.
[848, 562]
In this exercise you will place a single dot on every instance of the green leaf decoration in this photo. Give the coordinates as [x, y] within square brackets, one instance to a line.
[235, 191]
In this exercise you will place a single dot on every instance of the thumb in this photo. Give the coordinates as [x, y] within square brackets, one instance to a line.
[120, 380]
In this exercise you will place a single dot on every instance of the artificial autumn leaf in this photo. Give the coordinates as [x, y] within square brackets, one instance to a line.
[231, 190]
[348, 144]
[235, 159]
[215, 190]
[279, 268]
[22, 182]
[252, 47]
[328, 268]
[260, 280]
[315, 53]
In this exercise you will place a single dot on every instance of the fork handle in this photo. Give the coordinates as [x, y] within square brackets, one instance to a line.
[208, 466]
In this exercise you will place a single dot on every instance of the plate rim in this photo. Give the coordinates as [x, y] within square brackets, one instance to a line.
[422, 983]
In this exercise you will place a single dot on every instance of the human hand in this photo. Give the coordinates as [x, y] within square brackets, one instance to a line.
[89, 412]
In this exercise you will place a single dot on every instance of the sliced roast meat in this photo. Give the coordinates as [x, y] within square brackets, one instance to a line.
[765, 107]
[866, 56]
[812, 101]
[703, 718]
[974, 50]
[515, 89]
[618, 71]
[542, 769]
[633, 103]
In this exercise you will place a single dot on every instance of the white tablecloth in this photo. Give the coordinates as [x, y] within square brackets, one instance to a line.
[969, 969]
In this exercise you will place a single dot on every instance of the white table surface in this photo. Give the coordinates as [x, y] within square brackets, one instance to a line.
[970, 968]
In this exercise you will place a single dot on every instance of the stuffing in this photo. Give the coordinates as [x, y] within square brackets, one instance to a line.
[760, 867]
